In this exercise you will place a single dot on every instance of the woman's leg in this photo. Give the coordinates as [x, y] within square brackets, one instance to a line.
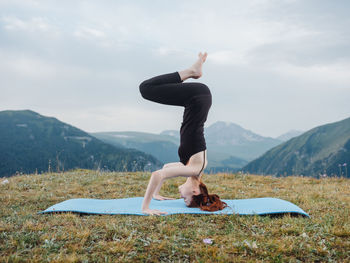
[195, 71]
[168, 88]
[165, 89]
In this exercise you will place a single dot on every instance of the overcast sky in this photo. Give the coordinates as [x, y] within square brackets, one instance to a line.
[272, 66]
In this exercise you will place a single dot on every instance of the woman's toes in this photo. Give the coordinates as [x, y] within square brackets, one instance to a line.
[204, 56]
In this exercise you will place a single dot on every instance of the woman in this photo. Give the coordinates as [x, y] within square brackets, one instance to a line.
[196, 98]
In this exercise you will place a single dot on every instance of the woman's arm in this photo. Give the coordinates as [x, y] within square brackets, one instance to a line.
[173, 164]
[156, 194]
[156, 179]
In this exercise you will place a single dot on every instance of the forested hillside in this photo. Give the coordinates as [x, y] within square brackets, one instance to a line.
[323, 150]
[30, 142]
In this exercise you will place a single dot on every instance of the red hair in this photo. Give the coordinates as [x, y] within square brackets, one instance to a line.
[205, 201]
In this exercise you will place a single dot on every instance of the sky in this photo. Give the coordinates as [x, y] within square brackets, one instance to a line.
[272, 65]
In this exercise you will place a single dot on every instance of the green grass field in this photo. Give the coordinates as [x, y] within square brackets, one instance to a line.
[26, 236]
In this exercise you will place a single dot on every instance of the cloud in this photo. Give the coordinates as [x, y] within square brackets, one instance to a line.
[229, 57]
[32, 25]
[79, 59]
[328, 76]
[89, 33]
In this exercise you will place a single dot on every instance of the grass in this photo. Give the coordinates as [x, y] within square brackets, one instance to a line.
[29, 237]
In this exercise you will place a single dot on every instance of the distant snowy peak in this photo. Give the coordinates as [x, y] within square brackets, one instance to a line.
[172, 133]
[249, 136]
[229, 131]
[122, 136]
[224, 124]
[288, 135]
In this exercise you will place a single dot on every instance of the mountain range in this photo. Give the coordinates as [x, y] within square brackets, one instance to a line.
[229, 146]
[30, 142]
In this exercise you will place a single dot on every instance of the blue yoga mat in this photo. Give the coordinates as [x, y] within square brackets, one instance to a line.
[132, 206]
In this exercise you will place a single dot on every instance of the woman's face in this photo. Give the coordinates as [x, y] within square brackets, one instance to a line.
[188, 189]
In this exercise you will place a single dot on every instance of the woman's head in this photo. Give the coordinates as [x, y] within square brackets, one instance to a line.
[195, 194]
[189, 188]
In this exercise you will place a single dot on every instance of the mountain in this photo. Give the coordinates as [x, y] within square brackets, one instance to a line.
[230, 146]
[322, 150]
[230, 138]
[30, 142]
[162, 146]
[172, 133]
[288, 135]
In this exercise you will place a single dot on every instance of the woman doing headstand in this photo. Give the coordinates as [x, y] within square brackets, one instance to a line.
[196, 98]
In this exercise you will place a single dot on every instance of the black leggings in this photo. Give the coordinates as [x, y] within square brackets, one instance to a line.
[194, 96]
[169, 89]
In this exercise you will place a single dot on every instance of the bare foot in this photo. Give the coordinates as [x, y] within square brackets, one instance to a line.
[196, 68]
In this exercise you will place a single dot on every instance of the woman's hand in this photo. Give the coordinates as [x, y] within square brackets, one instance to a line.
[160, 198]
[153, 212]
